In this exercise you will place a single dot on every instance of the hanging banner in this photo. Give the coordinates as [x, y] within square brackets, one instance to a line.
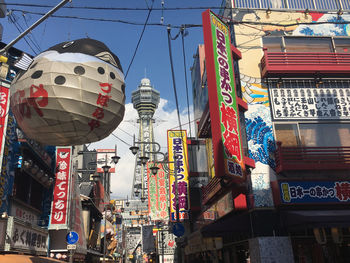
[102, 155]
[59, 208]
[177, 145]
[158, 197]
[224, 112]
[4, 106]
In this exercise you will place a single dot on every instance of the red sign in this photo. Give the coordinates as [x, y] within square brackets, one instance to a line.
[59, 208]
[223, 105]
[4, 97]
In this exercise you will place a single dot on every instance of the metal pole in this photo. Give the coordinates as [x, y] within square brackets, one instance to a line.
[162, 246]
[104, 238]
[70, 256]
[53, 10]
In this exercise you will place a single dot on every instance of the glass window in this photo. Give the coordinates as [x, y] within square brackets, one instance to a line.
[342, 45]
[273, 44]
[325, 134]
[312, 44]
[287, 134]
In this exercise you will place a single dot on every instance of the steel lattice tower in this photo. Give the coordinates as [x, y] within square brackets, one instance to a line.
[145, 100]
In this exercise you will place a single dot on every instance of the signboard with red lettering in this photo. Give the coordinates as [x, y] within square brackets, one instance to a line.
[60, 202]
[177, 149]
[102, 155]
[158, 196]
[224, 113]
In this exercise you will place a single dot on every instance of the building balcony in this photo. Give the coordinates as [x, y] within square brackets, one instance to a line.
[311, 158]
[276, 64]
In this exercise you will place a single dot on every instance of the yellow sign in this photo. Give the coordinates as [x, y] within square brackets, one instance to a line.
[177, 149]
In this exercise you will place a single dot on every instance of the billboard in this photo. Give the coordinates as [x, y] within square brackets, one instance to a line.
[224, 113]
[177, 145]
[101, 159]
[158, 196]
[295, 192]
[59, 209]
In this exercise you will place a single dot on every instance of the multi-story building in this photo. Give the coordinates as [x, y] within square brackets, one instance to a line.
[291, 66]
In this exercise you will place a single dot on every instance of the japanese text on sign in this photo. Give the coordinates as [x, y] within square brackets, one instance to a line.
[315, 192]
[310, 103]
[178, 157]
[61, 191]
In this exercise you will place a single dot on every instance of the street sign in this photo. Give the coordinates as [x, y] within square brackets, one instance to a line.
[71, 247]
[178, 229]
[72, 237]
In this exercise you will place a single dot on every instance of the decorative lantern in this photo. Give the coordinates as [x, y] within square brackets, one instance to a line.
[72, 94]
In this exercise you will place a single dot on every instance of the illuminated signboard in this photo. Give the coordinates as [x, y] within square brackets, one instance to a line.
[177, 145]
[224, 113]
[315, 192]
[101, 159]
[59, 209]
[158, 196]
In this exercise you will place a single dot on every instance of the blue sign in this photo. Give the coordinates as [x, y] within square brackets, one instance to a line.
[72, 237]
[178, 230]
[315, 192]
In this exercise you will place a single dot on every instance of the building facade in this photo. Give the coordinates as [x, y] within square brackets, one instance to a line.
[293, 75]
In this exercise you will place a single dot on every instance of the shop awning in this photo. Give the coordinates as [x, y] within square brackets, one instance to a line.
[315, 218]
[15, 258]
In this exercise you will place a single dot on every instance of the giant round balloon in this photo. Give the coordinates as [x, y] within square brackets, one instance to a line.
[72, 94]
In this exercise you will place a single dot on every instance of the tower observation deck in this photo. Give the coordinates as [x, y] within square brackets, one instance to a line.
[145, 100]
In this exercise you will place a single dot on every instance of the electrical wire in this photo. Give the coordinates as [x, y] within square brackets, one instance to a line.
[25, 39]
[138, 43]
[34, 41]
[120, 139]
[184, 57]
[191, 25]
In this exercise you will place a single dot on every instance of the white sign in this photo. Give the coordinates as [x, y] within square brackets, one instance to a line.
[310, 103]
[167, 258]
[29, 238]
[166, 243]
[71, 246]
[24, 214]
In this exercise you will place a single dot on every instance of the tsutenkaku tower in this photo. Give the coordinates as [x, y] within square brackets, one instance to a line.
[145, 100]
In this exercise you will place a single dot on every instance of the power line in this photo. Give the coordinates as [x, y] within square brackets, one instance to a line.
[138, 43]
[342, 22]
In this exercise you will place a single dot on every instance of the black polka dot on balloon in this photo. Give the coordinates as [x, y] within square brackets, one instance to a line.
[59, 80]
[112, 75]
[123, 88]
[37, 74]
[79, 70]
[101, 70]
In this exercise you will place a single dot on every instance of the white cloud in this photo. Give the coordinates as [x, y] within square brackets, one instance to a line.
[121, 181]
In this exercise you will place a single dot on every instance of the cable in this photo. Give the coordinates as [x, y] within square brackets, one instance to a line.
[25, 39]
[34, 41]
[184, 57]
[173, 76]
[138, 43]
[121, 139]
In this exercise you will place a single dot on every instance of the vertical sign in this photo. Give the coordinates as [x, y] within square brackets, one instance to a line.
[158, 197]
[4, 106]
[224, 113]
[101, 159]
[177, 145]
[60, 200]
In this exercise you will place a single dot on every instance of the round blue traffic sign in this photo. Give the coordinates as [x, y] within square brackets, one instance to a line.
[178, 229]
[72, 237]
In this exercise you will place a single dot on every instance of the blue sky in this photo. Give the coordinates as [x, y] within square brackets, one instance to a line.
[152, 57]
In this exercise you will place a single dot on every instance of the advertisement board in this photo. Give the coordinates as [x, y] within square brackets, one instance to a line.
[223, 106]
[60, 202]
[177, 149]
[158, 196]
[102, 154]
[295, 192]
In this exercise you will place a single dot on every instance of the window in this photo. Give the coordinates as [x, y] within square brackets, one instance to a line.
[310, 44]
[342, 45]
[287, 134]
[273, 44]
[313, 134]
